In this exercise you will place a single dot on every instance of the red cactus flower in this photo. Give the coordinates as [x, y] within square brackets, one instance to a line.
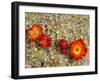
[63, 51]
[45, 41]
[62, 45]
[77, 49]
[34, 32]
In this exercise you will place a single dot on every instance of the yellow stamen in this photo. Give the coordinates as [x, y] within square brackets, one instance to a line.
[77, 50]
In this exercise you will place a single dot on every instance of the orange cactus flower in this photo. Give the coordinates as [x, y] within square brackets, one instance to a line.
[34, 32]
[77, 49]
[45, 41]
